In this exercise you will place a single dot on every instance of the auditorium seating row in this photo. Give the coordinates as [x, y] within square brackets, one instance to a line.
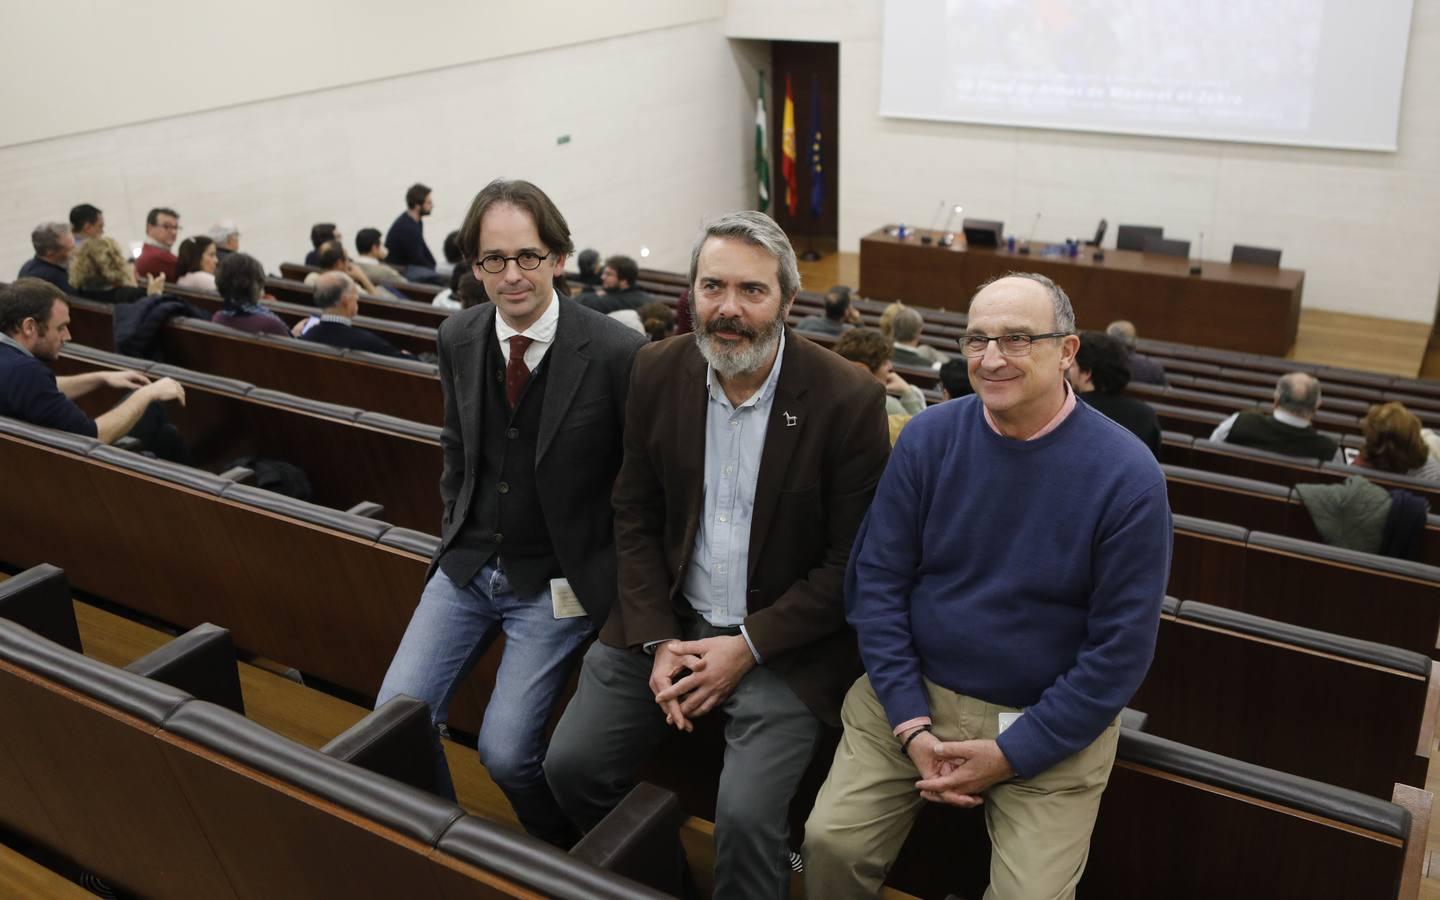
[152, 778]
[1359, 595]
[333, 627]
[350, 456]
[1261, 505]
[1271, 693]
[1181, 449]
[1177, 794]
[398, 387]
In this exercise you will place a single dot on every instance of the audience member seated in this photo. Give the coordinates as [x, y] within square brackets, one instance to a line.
[333, 259]
[617, 287]
[887, 320]
[868, 349]
[839, 316]
[1142, 368]
[195, 264]
[162, 227]
[955, 379]
[240, 279]
[658, 320]
[454, 259]
[337, 294]
[321, 233]
[54, 244]
[406, 238]
[588, 265]
[1099, 376]
[372, 258]
[226, 235]
[907, 327]
[1360, 515]
[1287, 429]
[34, 325]
[1393, 443]
[86, 222]
[99, 271]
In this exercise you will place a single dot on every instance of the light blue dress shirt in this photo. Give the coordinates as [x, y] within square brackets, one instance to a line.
[717, 579]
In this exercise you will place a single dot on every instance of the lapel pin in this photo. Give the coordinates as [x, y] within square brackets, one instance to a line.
[790, 421]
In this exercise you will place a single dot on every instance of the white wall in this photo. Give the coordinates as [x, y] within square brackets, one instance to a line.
[150, 59]
[1361, 225]
[661, 124]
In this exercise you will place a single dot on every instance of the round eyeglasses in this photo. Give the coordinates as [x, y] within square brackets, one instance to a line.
[527, 260]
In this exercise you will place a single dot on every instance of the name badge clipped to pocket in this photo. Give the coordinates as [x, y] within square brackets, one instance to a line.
[563, 600]
[1008, 719]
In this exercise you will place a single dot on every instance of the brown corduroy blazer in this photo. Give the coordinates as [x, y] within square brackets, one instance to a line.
[826, 445]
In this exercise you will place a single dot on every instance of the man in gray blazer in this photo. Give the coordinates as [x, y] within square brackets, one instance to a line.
[534, 389]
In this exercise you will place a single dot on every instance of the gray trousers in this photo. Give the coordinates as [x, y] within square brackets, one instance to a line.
[613, 723]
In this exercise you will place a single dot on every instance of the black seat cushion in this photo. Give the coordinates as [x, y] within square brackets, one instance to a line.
[1340, 804]
[140, 697]
[1309, 638]
[306, 512]
[196, 479]
[412, 812]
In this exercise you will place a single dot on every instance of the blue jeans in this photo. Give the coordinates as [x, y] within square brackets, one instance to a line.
[451, 628]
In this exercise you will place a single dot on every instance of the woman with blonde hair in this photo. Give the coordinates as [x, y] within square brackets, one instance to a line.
[1393, 443]
[99, 271]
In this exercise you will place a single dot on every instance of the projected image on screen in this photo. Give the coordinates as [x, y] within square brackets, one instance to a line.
[1136, 61]
[1286, 71]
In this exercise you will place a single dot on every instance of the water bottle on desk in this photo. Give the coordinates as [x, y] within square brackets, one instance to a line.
[1010, 244]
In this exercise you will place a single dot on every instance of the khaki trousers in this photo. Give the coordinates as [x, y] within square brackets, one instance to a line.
[1039, 827]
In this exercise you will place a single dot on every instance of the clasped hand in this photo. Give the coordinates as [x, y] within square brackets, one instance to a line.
[716, 666]
[957, 772]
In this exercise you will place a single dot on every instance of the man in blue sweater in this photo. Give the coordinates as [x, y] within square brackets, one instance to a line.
[1005, 586]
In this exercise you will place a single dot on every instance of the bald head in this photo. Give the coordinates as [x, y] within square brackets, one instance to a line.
[336, 292]
[1298, 394]
[1026, 288]
[1122, 331]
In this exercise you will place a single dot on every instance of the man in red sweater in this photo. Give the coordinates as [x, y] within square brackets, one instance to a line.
[162, 227]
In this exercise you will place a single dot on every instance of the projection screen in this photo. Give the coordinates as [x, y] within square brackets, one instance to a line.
[1321, 73]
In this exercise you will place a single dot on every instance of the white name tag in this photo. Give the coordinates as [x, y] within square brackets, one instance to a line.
[563, 600]
[1008, 719]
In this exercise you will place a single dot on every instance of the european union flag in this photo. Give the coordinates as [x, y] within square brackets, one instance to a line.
[817, 169]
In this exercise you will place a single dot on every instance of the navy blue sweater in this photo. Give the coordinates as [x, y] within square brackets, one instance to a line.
[1022, 573]
[406, 242]
[28, 392]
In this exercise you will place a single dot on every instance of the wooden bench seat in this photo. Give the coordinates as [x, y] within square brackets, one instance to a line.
[349, 455]
[1268, 692]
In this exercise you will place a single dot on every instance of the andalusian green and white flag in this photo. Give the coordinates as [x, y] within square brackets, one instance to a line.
[762, 151]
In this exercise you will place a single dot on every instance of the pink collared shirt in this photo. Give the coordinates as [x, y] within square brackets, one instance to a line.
[1066, 408]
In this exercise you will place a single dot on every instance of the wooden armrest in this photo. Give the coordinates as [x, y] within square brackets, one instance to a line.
[1417, 802]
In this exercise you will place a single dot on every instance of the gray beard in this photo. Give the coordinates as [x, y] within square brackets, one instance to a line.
[732, 361]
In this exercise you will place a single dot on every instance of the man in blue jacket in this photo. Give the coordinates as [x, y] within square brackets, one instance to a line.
[1005, 587]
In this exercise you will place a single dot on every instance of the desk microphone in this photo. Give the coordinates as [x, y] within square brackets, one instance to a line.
[1195, 268]
[1025, 250]
[934, 220]
[949, 237]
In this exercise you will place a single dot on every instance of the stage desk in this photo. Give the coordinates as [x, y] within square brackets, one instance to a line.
[1255, 309]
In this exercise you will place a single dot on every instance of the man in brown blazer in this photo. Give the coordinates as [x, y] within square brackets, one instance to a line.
[750, 458]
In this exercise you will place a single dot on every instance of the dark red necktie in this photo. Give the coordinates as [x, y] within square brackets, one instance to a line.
[517, 374]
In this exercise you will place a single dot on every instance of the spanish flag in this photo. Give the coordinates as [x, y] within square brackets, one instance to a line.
[787, 152]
